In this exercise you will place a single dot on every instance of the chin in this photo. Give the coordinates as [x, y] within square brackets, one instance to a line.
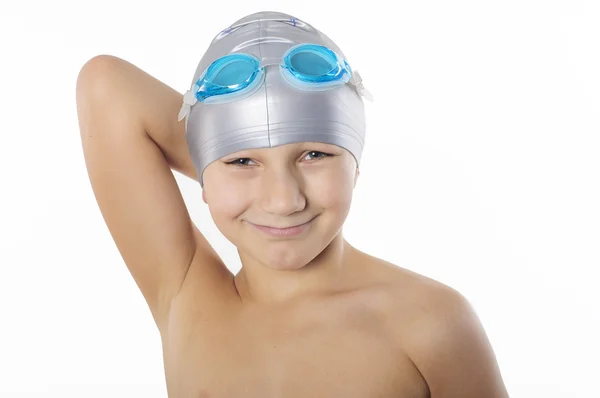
[292, 254]
[285, 255]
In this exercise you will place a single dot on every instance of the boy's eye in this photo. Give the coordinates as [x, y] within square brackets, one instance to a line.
[239, 162]
[311, 153]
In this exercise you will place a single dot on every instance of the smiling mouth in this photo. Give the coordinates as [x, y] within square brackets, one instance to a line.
[293, 226]
[289, 231]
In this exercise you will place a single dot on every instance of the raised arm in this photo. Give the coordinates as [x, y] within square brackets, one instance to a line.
[131, 139]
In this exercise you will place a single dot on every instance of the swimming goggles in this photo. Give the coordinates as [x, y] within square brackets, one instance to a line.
[305, 66]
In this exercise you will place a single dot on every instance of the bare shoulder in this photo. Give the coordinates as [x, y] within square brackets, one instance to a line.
[439, 330]
[406, 300]
[408, 292]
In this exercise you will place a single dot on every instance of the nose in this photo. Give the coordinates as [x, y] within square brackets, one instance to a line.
[281, 193]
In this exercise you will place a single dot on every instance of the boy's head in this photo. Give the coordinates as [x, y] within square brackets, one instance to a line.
[275, 127]
[281, 187]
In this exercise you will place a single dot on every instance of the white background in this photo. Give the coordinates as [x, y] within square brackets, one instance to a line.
[486, 118]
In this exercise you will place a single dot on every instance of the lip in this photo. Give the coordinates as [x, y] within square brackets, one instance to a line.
[284, 232]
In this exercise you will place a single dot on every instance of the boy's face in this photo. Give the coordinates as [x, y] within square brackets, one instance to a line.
[281, 187]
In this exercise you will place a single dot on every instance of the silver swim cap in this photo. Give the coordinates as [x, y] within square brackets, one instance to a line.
[271, 79]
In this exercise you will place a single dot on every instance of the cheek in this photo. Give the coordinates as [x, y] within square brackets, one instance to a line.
[226, 200]
[333, 190]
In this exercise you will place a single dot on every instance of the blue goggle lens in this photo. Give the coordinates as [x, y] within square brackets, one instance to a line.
[233, 72]
[309, 63]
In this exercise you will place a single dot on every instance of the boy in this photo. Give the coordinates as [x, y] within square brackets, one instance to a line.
[308, 314]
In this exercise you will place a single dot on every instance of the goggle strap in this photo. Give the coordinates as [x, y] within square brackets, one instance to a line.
[357, 82]
[294, 20]
[189, 99]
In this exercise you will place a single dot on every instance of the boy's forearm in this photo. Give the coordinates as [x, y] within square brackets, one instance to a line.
[160, 105]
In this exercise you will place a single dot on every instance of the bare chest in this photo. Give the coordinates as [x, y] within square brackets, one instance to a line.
[329, 352]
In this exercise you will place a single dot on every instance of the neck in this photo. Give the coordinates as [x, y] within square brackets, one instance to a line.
[325, 275]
